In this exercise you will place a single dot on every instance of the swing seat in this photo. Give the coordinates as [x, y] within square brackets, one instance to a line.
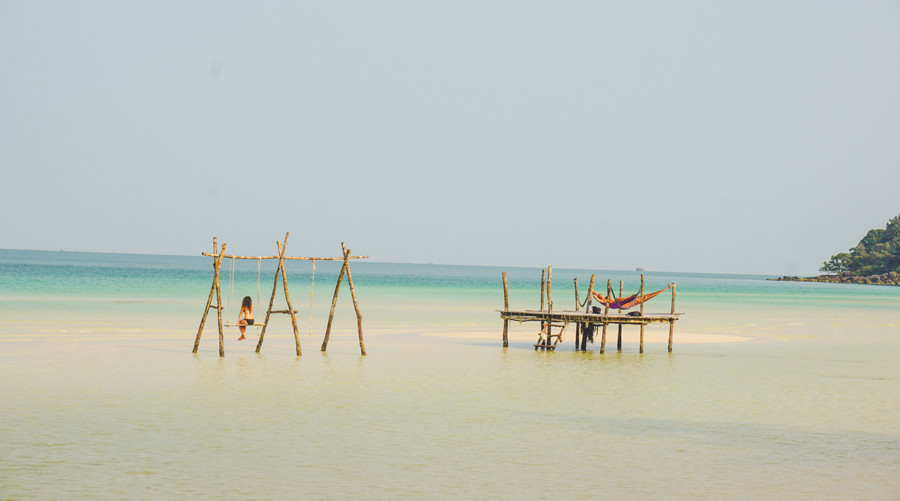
[245, 325]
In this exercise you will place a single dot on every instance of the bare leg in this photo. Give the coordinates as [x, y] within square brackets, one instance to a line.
[242, 323]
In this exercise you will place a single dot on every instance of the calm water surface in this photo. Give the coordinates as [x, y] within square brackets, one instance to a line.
[102, 397]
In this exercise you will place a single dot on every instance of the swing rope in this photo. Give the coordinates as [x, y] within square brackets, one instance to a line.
[312, 292]
[231, 286]
[231, 291]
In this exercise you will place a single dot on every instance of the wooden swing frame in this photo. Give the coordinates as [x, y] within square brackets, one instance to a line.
[215, 290]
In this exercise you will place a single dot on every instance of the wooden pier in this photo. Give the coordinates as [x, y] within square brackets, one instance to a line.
[555, 322]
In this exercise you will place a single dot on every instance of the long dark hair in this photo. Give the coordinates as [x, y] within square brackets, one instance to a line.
[247, 303]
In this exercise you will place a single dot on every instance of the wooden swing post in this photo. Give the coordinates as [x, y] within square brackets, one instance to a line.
[214, 290]
[219, 307]
[280, 273]
[287, 297]
[337, 289]
[345, 268]
[362, 345]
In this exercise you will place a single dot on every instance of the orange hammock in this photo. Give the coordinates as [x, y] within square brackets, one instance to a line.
[628, 302]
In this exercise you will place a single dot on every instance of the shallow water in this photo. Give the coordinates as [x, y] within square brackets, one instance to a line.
[102, 397]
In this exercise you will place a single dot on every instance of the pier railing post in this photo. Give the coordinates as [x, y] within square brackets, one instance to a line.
[549, 307]
[577, 308]
[672, 320]
[543, 286]
[549, 298]
[605, 315]
[619, 340]
[505, 308]
[642, 312]
[588, 310]
[577, 304]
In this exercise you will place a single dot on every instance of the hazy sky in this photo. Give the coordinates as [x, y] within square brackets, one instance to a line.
[700, 136]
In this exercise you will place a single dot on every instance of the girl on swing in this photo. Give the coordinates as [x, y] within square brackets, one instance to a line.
[245, 317]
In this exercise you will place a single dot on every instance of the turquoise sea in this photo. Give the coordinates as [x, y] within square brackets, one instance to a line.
[774, 389]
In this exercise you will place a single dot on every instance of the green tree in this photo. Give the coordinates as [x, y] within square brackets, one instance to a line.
[838, 264]
[877, 253]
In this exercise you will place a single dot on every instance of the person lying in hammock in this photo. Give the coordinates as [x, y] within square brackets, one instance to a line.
[245, 317]
[627, 302]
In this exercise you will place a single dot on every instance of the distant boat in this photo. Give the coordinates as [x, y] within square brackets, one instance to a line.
[639, 268]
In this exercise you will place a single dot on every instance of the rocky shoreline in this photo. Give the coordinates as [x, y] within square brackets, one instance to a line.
[892, 278]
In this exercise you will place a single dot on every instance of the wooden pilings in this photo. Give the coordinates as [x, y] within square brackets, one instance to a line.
[543, 324]
[505, 307]
[546, 327]
[587, 309]
[549, 297]
[577, 308]
[577, 302]
[672, 322]
[642, 313]
[605, 312]
[548, 339]
[590, 297]
[619, 339]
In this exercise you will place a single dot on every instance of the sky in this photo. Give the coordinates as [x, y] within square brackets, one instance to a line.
[755, 137]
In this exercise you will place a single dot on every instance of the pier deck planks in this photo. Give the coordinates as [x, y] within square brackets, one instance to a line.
[584, 317]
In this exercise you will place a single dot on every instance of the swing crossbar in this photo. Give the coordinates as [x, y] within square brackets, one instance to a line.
[300, 258]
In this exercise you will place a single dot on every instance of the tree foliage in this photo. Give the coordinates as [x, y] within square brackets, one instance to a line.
[877, 253]
[839, 263]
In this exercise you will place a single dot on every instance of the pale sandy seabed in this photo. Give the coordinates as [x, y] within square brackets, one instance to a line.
[122, 409]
